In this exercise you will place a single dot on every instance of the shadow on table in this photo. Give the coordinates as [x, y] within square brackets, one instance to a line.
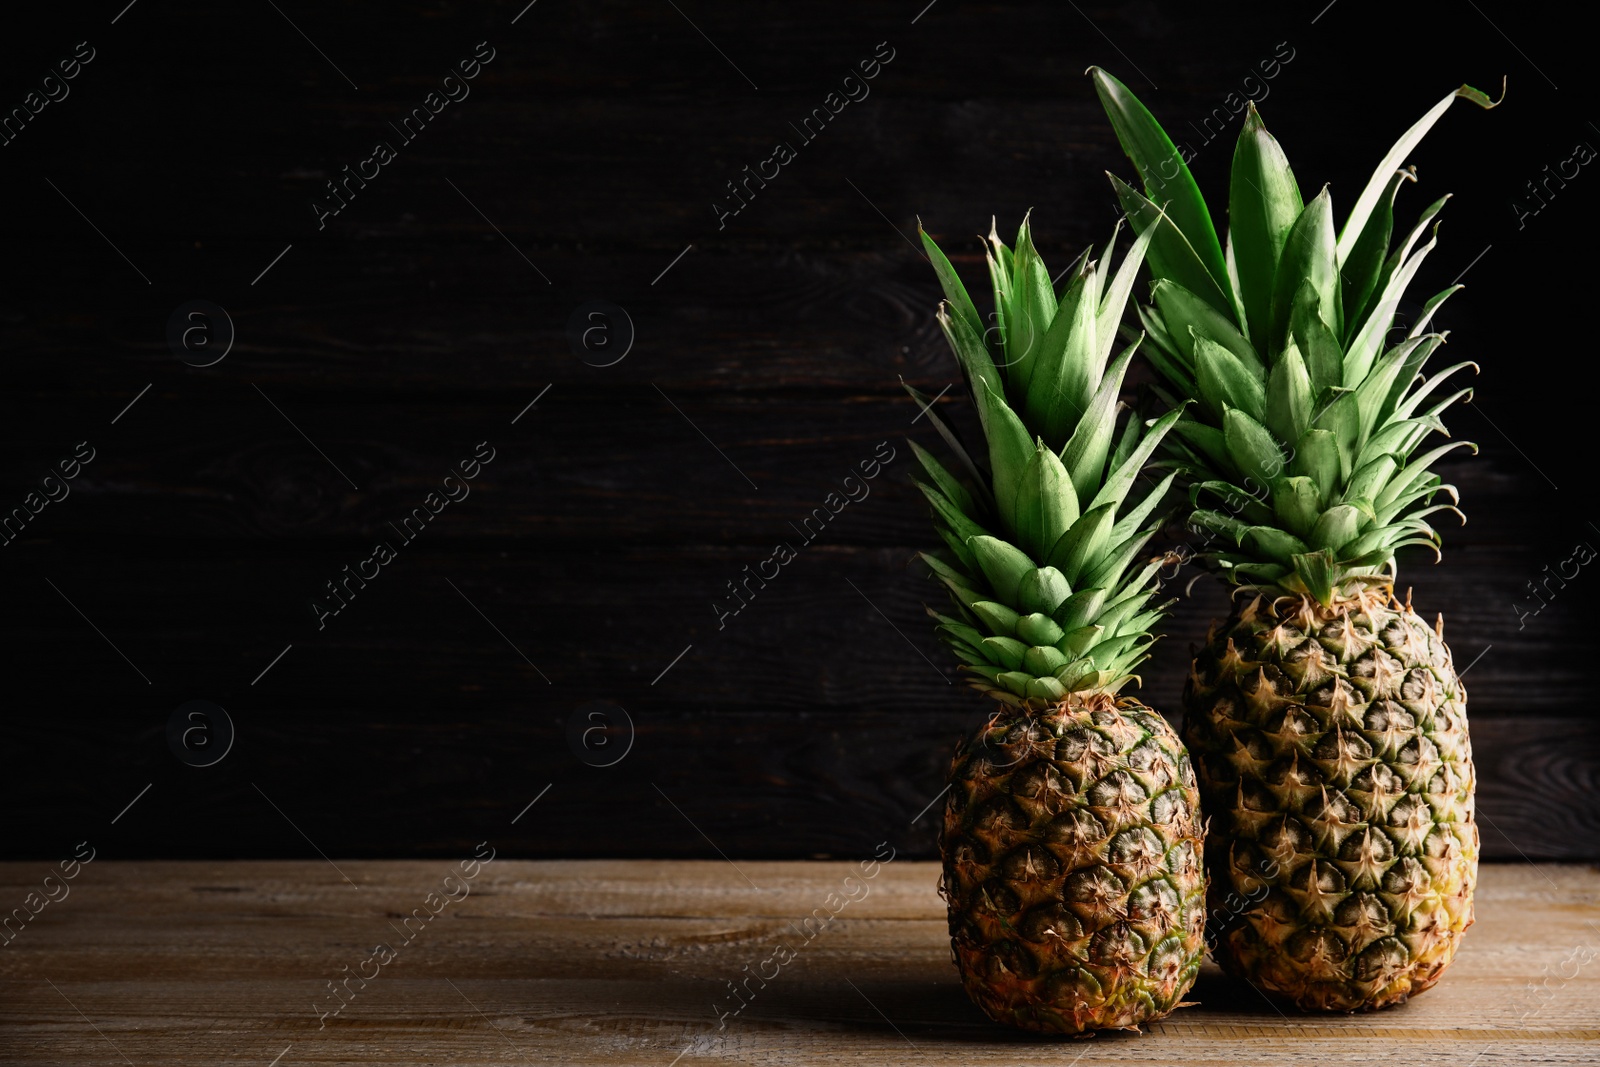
[926, 1012]
[1214, 993]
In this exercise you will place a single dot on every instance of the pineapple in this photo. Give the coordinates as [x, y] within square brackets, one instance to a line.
[1071, 834]
[1327, 720]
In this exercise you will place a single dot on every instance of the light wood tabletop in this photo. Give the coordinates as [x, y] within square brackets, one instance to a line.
[636, 962]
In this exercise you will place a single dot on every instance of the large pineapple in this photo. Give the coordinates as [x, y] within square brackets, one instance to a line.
[1071, 836]
[1327, 719]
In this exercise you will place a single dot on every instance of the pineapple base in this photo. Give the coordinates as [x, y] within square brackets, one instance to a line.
[1072, 873]
[1336, 771]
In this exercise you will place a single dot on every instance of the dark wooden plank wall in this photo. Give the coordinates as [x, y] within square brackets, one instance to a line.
[818, 720]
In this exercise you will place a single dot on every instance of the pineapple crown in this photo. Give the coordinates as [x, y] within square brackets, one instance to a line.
[1041, 541]
[1302, 443]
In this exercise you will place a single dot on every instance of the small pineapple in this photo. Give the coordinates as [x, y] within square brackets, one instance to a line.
[1071, 836]
[1327, 719]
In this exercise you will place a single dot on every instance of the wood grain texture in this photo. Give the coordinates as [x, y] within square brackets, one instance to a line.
[428, 314]
[623, 962]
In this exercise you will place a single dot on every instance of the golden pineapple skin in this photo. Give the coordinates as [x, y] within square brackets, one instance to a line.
[1336, 772]
[1072, 869]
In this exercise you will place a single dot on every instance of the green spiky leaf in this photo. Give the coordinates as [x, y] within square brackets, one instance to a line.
[1263, 203]
[1165, 175]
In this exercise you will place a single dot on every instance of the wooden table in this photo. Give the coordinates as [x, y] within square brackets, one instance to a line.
[229, 963]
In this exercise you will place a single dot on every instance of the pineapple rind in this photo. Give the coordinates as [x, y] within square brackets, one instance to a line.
[1335, 766]
[1072, 869]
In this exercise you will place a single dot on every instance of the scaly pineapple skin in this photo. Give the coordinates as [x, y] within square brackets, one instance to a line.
[1072, 871]
[1336, 772]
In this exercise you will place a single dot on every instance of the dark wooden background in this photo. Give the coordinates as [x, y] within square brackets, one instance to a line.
[434, 309]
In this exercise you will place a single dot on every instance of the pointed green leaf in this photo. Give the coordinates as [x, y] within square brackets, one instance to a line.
[1364, 349]
[951, 438]
[1001, 620]
[1115, 563]
[1007, 651]
[1263, 203]
[1016, 682]
[1289, 397]
[955, 292]
[1278, 545]
[970, 353]
[1170, 254]
[1108, 654]
[1065, 370]
[1084, 542]
[1026, 521]
[1043, 661]
[1043, 589]
[1398, 364]
[1135, 517]
[1000, 268]
[1206, 441]
[952, 516]
[1187, 316]
[994, 336]
[1046, 504]
[1127, 440]
[1010, 449]
[1003, 564]
[959, 547]
[1315, 570]
[1226, 382]
[1085, 453]
[1368, 200]
[1079, 609]
[1319, 348]
[1360, 270]
[1116, 487]
[1080, 639]
[946, 482]
[1368, 482]
[1206, 521]
[1114, 302]
[1032, 308]
[1038, 629]
[1245, 504]
[1165, 175]
[1256, 454]
[1429, 308]
[1046, 689]
[1342, 418]
[1409, 404]
[1308, 255]
[1156, 330]
[1298, 504]
[1336, 528]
